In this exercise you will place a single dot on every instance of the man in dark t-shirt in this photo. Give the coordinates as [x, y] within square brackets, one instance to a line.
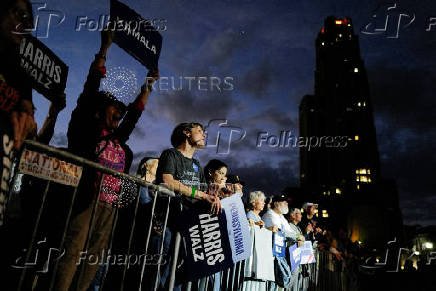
[180, 172]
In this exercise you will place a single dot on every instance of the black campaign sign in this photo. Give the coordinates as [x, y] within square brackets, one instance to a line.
[135, 35]
[48, 72]
[207, 243]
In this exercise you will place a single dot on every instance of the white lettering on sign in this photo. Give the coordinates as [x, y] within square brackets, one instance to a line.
[211, 249]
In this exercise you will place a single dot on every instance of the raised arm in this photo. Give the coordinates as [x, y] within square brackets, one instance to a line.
[134, 110]
[45, 134]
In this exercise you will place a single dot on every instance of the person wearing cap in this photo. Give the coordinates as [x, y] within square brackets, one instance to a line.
[274, 218]
[97, 133]
[308, 220]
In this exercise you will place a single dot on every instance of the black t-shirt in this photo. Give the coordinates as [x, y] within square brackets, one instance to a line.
[185, 170]
[14, 84]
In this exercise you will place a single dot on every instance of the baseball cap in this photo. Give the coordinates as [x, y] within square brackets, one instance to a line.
[234, 179]
[309, 204]
[279, 198]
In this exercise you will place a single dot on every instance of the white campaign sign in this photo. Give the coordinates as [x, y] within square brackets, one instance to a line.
[49, 168]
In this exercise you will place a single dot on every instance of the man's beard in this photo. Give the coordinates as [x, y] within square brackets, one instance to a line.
[284, 209]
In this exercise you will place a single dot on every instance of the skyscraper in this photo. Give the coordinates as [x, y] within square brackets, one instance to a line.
[342, 171]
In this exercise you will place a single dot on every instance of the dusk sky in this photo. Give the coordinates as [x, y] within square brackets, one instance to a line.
[268, 48]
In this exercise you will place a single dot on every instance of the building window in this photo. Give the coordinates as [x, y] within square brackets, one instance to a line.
[338, 191]
[356, 137]
[356, 70]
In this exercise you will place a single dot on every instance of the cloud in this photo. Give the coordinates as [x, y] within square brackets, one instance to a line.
[185, 105]
[59, 139]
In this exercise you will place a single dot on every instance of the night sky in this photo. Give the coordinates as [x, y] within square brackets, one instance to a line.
[268, 48]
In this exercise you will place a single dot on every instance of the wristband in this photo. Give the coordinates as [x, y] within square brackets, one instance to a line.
[193, 192]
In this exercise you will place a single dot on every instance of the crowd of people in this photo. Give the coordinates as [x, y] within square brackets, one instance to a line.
[98, 130]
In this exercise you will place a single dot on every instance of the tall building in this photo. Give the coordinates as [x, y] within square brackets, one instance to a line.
[342, 169]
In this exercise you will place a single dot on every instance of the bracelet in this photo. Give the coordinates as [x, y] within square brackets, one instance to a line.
[193, 192]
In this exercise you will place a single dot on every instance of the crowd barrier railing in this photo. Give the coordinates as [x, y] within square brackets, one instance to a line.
[66, 166]
[324, 275]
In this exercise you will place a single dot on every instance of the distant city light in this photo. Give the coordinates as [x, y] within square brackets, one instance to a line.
[338, 22]
[356, 70]
[356, 137]
[416, 253]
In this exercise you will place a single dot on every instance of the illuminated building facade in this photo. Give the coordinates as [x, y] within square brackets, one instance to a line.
[343, 173]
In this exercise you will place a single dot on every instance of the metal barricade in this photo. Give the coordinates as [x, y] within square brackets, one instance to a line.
[324, 275]
[25, 281]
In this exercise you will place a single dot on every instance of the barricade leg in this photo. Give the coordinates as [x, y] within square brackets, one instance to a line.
[62, 243]
[32, 240]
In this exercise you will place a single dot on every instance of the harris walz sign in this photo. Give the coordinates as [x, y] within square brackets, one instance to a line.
[215, 242]
[47, 72]
[135, 35]
[207, 243]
